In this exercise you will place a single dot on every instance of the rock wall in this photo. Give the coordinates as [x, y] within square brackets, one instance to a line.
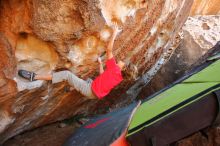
[201, 33]
[205, 7]
[45, 36]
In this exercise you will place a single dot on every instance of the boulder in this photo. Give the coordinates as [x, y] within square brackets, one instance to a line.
[198, 35]
[45, 36]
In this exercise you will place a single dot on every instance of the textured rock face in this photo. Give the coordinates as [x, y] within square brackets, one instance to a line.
[205, 7]
[43, 36]
[200, 34]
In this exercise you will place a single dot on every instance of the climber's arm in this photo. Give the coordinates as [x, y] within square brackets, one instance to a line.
[111, 42]
[101, 70]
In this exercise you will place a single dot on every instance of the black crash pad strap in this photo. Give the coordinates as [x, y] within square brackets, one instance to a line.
[152, 141]
[217, 119]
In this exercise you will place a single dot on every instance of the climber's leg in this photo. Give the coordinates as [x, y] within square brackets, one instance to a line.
[84, 87]
[47, 77]
[80, 85]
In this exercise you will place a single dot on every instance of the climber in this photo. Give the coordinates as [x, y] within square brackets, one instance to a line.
[97, 89]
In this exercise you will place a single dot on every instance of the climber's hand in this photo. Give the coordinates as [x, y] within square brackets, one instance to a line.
[99, 60]
[101, 69]
[116, 29]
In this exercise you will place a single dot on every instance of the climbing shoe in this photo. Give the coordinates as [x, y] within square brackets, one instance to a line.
[27, 75]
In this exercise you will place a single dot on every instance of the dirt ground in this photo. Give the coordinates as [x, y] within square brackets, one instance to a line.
[50, 135]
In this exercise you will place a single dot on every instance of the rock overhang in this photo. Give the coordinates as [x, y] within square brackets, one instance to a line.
[72, 34]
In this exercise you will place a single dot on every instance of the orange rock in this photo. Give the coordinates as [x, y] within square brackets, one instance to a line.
[205, 7]
[46, 35]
